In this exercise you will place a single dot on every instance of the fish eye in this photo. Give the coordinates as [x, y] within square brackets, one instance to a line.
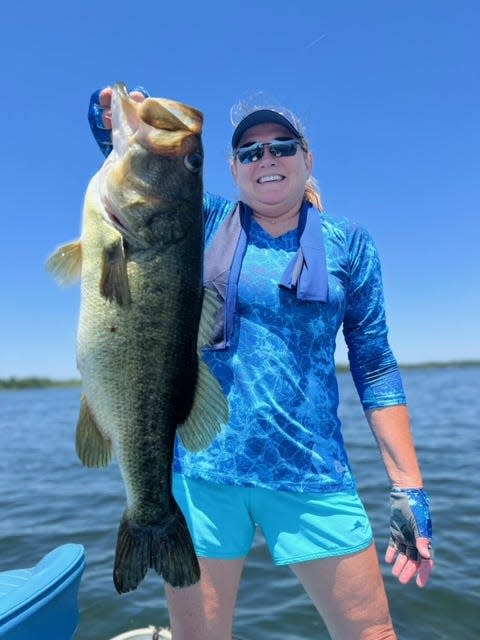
[194, 161]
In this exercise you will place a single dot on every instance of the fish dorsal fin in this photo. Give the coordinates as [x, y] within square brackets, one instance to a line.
[93, 449]
[65, 264]
[210, 407]
[114, 277]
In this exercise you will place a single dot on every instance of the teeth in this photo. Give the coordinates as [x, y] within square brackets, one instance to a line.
[270, 179]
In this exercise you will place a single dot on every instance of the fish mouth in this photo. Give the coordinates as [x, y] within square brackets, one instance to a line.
[172, 127]
[271, 178]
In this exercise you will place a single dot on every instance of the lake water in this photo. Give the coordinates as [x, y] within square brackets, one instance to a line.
[47, 498]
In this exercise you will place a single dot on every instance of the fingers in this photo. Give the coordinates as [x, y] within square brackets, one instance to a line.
[423, 576]
[105, 100]
[405, 568]
[390, 554]
[105, 97]
[137, 96]
[424, 547]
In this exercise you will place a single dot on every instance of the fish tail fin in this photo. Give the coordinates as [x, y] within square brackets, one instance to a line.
[65, 264]
[173, 555]
[167, 548]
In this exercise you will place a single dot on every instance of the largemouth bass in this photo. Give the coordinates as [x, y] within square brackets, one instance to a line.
[144, 317]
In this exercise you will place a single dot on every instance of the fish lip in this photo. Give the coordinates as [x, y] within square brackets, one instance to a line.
[277, 178]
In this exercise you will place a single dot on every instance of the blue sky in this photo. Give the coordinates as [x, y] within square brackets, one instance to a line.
[389, 92]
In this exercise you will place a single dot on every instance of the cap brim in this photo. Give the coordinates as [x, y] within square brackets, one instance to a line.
[262, 116]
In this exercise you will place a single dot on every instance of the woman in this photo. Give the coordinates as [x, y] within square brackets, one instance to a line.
[292, 277]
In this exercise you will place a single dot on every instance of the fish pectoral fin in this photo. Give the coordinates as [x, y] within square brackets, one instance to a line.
[93, 449]
[210, 307]
[65, 264]
[114, 277]
[209, 412]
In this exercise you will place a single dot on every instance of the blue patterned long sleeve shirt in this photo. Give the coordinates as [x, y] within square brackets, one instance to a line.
[279, 371]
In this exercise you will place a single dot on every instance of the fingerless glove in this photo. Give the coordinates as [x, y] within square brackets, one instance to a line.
[409, 519]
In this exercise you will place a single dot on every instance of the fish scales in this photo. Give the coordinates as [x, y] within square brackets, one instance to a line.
[143, 308]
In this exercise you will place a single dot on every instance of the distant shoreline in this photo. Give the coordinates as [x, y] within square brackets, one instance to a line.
[34, 382]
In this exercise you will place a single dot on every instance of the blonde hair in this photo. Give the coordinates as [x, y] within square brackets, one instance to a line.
[312, 190]
[312, 193]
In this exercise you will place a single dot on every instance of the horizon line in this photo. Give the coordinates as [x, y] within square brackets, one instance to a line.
[340, 366]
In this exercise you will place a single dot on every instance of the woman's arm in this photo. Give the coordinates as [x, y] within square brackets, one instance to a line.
[392, 431]
[410, 515]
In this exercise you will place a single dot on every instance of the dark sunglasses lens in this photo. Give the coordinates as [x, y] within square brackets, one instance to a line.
[278, 148]
[249, 154]
[281, 148]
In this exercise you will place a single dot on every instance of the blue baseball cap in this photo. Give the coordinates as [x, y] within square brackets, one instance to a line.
[264, 116]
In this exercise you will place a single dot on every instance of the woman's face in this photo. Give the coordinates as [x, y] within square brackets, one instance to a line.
[272, 186]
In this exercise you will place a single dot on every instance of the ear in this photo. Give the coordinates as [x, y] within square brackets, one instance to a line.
[233, 169]
[309, 162]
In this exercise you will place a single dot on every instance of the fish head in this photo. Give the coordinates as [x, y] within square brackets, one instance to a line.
[151, 185]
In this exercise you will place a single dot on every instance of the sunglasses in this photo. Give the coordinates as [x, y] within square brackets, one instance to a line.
[281, 147]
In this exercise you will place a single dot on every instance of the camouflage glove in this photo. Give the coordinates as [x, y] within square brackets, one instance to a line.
[409, 519]
[102, 134]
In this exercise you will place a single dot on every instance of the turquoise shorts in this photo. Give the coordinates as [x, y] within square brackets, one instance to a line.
[297, 526]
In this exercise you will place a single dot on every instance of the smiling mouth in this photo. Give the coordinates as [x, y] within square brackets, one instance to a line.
[274, 178]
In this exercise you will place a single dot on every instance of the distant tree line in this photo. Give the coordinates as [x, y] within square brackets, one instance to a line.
[35, 383]
[44, 383]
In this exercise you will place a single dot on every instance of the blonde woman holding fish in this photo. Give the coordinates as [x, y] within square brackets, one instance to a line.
[289, 277]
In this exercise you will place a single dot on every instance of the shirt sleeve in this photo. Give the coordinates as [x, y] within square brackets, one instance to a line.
[373, 366]
[216, 209]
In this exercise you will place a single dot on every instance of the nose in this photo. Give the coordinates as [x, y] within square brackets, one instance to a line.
[268, 156]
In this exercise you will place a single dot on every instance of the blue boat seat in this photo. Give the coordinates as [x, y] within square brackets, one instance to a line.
[41, 603]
